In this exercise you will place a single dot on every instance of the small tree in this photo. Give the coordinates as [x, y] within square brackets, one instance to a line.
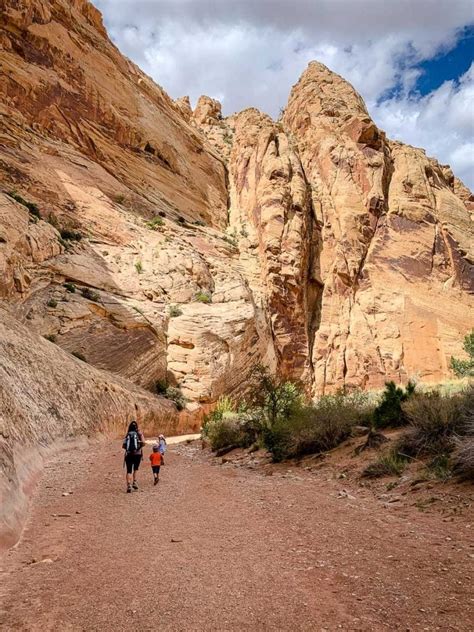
[389, 412]
[465, 368]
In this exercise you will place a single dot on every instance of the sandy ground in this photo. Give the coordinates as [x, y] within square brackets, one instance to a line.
[216, 547]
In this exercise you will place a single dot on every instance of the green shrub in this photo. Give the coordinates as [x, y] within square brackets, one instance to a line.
[389, 412]
[155, 223]
[224, 432]
[176, 396]
[31, 206]
[199, 222]
[119, 199]
[51, 337]
[161, 386]
[90, 294]
[70, 287]
[390, 464]
[318, 427]
[139, 267]
[181, 220]
[436, 422]
[174, 311]
[465, 368]
[70, 235]
[203, 297]
[52, 303]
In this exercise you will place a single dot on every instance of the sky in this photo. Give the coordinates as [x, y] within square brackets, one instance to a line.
[411, 60]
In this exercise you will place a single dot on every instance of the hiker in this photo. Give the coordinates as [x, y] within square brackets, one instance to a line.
[133, 446]
[162, 444]
[156, 459]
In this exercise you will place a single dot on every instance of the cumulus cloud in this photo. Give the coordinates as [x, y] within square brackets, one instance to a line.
[249, 53]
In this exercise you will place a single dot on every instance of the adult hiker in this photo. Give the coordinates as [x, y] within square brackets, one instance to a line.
[133, 446]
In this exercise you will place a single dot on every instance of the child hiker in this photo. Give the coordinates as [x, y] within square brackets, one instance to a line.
[156, 459]
[162, 444]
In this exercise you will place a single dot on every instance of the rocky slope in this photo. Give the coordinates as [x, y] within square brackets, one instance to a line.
[165, 244]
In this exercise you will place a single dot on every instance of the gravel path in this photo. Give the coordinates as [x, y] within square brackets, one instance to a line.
[221, 548]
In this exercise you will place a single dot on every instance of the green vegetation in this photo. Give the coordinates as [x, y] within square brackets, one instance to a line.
[139, 267]
[156, 223]
[390, 412]
[119, 199]
[51, 337]
[70, 287]
[171, 392]
[174, 311]
[440, 429]
[52, 303]
[275, 414]
[70, 235]
[203, 297]
[181, 220]
[465, 368]
[91, 295]
[31, 206]
[244, 231]
[390, 464]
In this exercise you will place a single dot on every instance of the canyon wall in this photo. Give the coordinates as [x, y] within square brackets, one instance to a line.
[162, 245]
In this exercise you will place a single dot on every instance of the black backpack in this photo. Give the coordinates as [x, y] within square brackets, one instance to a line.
[132, 442]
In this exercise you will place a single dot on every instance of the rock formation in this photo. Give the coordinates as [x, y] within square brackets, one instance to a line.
[162, 244]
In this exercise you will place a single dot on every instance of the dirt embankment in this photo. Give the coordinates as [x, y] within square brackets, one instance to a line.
[221, 547]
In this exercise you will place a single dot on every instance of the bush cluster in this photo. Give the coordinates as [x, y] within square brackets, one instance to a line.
[156, 223]
[31, 206]
[171, 392]
[91, 295]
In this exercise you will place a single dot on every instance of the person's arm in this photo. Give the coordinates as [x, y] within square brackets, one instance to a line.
[142, 440]
[162, 460]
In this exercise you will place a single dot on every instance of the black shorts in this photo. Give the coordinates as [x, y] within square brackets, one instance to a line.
[156, 469]
[132, 461]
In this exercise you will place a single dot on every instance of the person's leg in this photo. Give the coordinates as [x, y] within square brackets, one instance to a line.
[128, 476]
[136, 465]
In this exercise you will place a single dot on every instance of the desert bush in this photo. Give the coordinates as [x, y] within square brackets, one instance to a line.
[176, 396]
[70, 287]
[51, 337]
[203, 297]
[52, 303]
[317, 427]
[139, 267]
[161, 386]
[389, 464]
[174, 311]
[155, 223]
[119, 199]
[68, 234]
[464, 368]
[224, 432]
[463, 456]
[31, 206]
[90, 294]
[181, 220]
[435, 423]
[389, 412]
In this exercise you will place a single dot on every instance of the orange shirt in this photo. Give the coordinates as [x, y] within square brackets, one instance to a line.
[155, 458]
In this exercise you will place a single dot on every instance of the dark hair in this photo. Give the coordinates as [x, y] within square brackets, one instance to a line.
[133, 427]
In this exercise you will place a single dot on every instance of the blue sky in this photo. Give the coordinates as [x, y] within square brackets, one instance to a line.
[412, 61]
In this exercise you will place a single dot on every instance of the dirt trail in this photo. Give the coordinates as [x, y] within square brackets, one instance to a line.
[226, 548]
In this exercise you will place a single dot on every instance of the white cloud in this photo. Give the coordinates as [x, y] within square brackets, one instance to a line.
[442, 122]
[250, 52]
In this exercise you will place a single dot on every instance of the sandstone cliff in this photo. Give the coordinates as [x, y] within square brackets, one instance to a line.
[162, 243]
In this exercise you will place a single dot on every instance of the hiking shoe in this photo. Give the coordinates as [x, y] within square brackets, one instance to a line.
[135, 485]
[155, 481]
[129, 489]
